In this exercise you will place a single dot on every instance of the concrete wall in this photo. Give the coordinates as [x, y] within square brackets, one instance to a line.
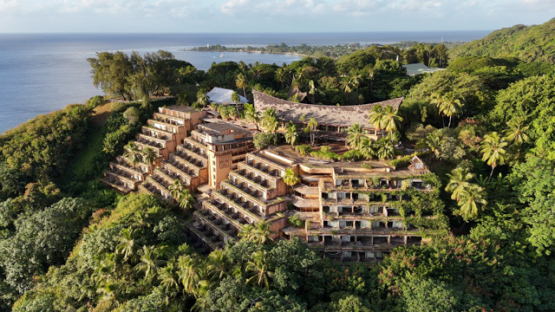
[220, 167]
[277, 225]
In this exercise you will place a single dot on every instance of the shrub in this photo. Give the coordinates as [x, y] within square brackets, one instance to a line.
[303, 150]
[262, 140]
[351, 155]
[118, 106]
[132, 115]
[330, 156]
[400, 162]
[366, 166]
[296, 221]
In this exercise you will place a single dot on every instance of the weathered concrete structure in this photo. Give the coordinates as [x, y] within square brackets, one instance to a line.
[330, 118]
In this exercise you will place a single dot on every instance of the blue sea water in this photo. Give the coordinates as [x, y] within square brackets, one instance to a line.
[40, 73]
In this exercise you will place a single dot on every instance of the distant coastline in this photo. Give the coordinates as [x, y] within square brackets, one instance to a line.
[230, 50]
[304, 50]
[54, 69]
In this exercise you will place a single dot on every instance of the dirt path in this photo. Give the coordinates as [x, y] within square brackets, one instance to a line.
[101, 113]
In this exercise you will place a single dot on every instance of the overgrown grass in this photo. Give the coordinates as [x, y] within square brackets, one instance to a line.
[84, 159]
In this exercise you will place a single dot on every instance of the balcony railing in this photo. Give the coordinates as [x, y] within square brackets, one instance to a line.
[193, 173]
[199, 164]
[237, 204]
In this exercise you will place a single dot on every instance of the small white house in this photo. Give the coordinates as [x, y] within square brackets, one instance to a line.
[223, 96]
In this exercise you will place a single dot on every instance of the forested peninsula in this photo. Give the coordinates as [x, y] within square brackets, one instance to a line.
[483, 127]
[408, 51]
[529, 43]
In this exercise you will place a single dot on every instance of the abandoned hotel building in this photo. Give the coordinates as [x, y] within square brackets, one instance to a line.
[351, 212]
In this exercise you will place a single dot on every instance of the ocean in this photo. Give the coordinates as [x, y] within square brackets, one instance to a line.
[40, 73]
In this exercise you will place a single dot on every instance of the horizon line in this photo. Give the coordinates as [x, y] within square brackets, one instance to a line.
[224, 32]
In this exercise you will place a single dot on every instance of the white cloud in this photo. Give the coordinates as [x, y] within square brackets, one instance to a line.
[416, 5]
[268, 15]
[537, 5]
[177, 8]
[359, 6]
[6, 5]
[275, 7]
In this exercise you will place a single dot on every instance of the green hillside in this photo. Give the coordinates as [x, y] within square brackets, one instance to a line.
[529, 43]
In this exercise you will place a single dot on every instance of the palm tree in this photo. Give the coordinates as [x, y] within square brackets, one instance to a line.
[270, 122]
[433, 141]
[291, 134]
[246, 232]
[450, 106]
[186, 200]
[355, 136]
[355, 79]
[241, 82]
[471, 201]
[127, 246]
[376, 117]
[149, 157]
[385, 149]
[516, 133]
[367, 148]
[109, 147]
[202, 99]
[169, 279]
[390, 120]
[250, 113]
[312, 90]
[458, 182]
[371, 78]
[132, 153]
[347, 86]
[175, 188]
[259, 269]
[437, 99]
[218, 264]
[312, 125]
[261, 233]
[280, 76]
[149, 262]
[189, 274]
[493, 149]
[236, 99]
[291, 178]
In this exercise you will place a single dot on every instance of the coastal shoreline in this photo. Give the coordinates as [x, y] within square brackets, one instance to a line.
[252, 52]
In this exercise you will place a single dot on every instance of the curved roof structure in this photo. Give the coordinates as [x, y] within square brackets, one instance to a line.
[223, 96]
[330, 115]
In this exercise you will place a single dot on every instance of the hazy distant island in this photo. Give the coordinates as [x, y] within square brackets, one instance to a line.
[333, 51]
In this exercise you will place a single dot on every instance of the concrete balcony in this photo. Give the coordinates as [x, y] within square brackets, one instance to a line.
[116, 183]
[183, 166]
[217, 225]
[187, 160]
[192, 157]
[242, 207]
[194, 147]
[154, 133]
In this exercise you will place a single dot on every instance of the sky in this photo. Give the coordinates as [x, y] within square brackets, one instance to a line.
[256, 16]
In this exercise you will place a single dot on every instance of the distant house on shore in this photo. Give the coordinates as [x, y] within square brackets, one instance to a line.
[223, 96]
[419, 68]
